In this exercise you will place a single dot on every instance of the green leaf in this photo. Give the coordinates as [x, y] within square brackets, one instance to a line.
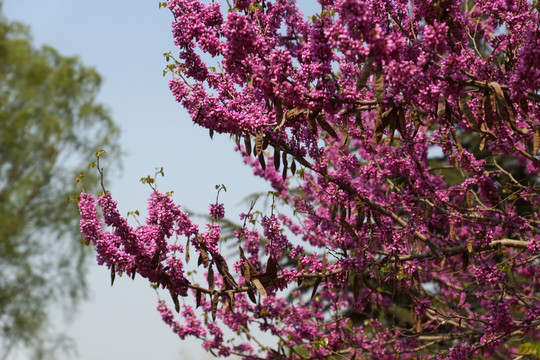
[320, 343]
[529, 348]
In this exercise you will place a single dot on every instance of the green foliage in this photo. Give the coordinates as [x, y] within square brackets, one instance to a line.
[530, 349]
[49, 123]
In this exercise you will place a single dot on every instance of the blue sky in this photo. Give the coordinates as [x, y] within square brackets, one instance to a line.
[124, 40]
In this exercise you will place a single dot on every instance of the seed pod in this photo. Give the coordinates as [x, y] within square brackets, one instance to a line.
[468, 113]
[259, 142]
[441, 106]
[379, 84]
[366, 71]
[277, 158]
[247, 144]
[536, 142]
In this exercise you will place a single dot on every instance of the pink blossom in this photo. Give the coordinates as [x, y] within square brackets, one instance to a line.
[400, 140]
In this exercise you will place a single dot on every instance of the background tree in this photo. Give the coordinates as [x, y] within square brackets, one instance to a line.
[49, 122]
[403, 135]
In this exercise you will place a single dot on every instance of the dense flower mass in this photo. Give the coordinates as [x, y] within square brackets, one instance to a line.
[401, 140]
[217, 211]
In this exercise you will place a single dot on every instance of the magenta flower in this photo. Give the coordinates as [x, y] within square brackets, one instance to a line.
[217, 211]
[400, 140]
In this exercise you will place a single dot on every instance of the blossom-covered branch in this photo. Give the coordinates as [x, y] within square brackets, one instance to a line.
[401, 140]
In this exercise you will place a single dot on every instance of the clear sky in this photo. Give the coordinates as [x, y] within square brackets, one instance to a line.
[124, 40]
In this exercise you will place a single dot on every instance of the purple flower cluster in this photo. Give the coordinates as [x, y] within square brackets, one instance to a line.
[191, 328]
[402, 139]
[459, 352]
[217, 211]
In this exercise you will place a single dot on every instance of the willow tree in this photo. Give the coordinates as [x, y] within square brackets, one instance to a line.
[49, 122]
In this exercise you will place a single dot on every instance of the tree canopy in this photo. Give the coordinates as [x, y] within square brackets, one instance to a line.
[401, 140]
[49, 123]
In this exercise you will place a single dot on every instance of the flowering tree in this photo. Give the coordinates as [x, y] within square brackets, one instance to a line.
[404, 137]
